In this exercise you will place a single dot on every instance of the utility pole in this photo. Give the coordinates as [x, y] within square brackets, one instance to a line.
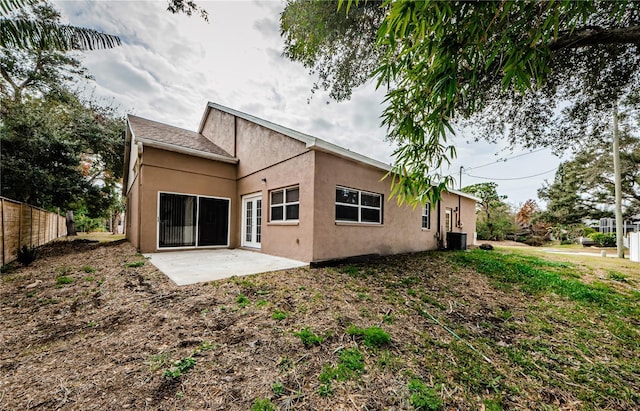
[618, 183]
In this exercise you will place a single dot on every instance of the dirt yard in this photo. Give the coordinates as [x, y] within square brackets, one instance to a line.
[94, 326]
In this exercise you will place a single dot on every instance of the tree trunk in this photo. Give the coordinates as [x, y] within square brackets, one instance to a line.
[71, 224]
[618, 183]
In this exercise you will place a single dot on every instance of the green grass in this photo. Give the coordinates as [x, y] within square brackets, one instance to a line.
[134, 264]
[88, 269]
[279, 315]
[535, 275]
[242, 300]
[308, 337]
[373, 337]
[350, 365]
[423, 397]
[63, 279]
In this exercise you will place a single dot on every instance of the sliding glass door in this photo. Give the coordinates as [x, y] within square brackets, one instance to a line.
[192, 221]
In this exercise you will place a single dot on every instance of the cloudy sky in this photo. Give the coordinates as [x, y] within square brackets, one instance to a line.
[170, 66]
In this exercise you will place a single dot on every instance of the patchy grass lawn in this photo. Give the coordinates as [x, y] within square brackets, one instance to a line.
[95, 326]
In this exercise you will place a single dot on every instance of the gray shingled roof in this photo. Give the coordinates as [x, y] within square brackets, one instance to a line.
[152, 130]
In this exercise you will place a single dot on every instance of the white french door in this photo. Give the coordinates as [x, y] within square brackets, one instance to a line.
[252, 220]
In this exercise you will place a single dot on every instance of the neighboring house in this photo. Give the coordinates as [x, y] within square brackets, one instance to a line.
[241, 181]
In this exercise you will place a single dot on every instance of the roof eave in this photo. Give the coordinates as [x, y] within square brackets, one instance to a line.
[325, 146]
[188, 151]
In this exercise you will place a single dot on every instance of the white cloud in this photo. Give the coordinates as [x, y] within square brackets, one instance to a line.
[171, 65]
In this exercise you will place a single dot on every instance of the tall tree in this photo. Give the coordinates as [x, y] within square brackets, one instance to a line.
[36, 71]
[58, 153]
[494, 215]
[507, 66]
[69, 151]
[584, 187]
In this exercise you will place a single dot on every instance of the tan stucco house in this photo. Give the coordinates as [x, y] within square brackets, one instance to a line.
[241, 181]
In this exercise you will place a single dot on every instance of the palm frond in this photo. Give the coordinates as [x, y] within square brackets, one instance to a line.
[28, 34]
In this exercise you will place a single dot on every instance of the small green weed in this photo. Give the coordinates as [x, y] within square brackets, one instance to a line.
[423, 398]
[308, 337]
[350, 365]
[350, 270]
[63, 279]
[242, 300]
[373, 337]
[262, 404]
[388, 319]
[157, 361]
[285, 363]
[92, 324]
[277, 389]
[279, 315]
[617, 276]
[325, 390]
[7, 268]
[492, 405]
[261, 303]
[134, 264]
[88, 278]
[179, 368]
[88, 269]
[207, 346]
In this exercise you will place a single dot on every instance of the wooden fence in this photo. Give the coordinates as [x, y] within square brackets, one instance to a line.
[23, 224]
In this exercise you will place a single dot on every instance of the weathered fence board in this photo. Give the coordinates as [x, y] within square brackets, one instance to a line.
[22, 224]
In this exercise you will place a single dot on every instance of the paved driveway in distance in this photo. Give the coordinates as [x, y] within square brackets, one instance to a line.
[197, 266]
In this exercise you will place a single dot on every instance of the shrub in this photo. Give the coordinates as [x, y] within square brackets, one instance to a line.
[604, 239]
[27, 255]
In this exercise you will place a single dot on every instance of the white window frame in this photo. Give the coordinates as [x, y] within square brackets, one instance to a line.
[426, 213]
[284, 204]
[359, 206]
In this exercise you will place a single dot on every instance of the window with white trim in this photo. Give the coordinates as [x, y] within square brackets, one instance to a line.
[356, 206]
[426, 216]
[285, 204]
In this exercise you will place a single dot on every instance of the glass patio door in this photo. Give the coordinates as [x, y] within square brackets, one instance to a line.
[192, 221]
[252, 221]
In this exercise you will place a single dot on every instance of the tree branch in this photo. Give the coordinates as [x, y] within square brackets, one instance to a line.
[595, 35]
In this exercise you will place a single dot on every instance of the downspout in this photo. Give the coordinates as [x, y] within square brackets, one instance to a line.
[459, 212]
[439, 232]
[140, 196]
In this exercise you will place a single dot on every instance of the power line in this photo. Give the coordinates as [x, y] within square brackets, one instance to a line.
[515, 178]
[505, 159]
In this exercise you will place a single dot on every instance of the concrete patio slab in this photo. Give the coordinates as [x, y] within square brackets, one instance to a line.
[197, 266]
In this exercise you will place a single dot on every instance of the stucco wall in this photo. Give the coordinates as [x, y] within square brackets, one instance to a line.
[288, 240]
[219, 127]
[401, 230]
[258, 147]
[178, 173]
